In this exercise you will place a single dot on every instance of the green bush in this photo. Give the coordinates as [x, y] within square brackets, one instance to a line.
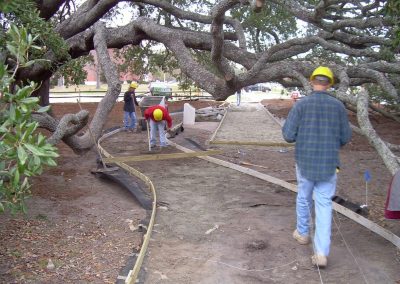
[23, 151]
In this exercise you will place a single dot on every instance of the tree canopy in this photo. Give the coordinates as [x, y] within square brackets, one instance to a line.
[268, 41]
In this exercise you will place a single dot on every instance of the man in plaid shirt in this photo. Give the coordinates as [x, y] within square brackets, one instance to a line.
[319, 125]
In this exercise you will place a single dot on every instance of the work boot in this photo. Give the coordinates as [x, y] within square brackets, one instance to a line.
[303, 240]
[319, 260]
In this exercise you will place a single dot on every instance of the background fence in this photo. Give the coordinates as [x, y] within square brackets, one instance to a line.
[96, 96]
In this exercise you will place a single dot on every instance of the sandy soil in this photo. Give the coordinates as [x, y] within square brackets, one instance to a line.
[216, 225]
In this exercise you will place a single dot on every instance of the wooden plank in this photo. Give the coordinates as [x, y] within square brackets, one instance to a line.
[176, 127]
[219, 126]
[272, 116]
[161, 156]
[394, 239]
[388, 235]
[133, 274]
[255, 143]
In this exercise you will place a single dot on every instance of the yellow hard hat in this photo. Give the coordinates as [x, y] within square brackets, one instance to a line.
[133, 85]
[323, 71]
[157, 114]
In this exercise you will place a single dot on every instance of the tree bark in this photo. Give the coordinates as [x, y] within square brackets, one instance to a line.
[352, 36]
[43, 93]
[389, 159]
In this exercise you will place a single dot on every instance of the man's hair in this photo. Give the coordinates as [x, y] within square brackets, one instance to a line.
[321, 80]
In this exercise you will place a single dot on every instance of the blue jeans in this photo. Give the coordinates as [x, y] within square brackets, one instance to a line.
[129, 120]
[238, 97]
[323, 193]
[154, 126]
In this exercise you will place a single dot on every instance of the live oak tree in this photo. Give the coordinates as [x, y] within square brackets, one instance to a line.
[209, 41]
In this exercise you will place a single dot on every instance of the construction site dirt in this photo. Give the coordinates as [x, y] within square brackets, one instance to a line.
[213, 225]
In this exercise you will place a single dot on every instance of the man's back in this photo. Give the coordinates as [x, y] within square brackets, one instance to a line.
[319, 126]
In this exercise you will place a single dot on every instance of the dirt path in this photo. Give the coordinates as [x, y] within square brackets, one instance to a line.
[87, 226]
[226, 227]
[252, 243]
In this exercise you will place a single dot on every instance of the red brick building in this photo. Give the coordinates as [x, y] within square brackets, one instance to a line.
[92, 70]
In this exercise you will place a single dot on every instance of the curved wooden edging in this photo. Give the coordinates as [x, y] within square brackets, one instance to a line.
[133, 274]
[394, 239]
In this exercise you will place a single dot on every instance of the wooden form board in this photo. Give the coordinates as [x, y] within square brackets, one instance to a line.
[273, 117]
[219, 126]
[394, 239]
[277, 144]
[153, 157]
[133, 274]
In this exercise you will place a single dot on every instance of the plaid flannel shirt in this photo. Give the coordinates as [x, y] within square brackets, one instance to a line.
[319, 125]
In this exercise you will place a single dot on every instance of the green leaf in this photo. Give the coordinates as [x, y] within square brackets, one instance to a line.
[12, 112]
[25, 183]
[24, 208]
[50, 162]
[30, 100]
[41, 139]
[35, 150]
[4, 126]
[43, 109]
[13, 50]
[2, 70]
[29, 130]
[24, 92]
[24, 108]
[22, 156]
[1, 207]
[9, 139]
[36, 162]
[16, 178]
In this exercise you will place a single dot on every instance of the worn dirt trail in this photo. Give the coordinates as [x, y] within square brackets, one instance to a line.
[222, 226]
[86, 225]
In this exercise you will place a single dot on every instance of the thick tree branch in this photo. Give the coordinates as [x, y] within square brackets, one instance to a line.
[86, 15]
[351, 37]
[68, 125]
[218, 16]
[196, 17]
[84, 142]
[47, 8]
[389, 159]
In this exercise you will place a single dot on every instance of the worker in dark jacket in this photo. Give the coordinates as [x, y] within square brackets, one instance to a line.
[319, 125]
[158, 116]
[129, 108]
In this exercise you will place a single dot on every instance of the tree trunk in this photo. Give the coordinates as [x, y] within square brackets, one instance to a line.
[43, 93]
[389, 159]
[84, 142]
[98, 72]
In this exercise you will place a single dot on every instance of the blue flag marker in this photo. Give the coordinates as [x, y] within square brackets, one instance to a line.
[367, 176]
